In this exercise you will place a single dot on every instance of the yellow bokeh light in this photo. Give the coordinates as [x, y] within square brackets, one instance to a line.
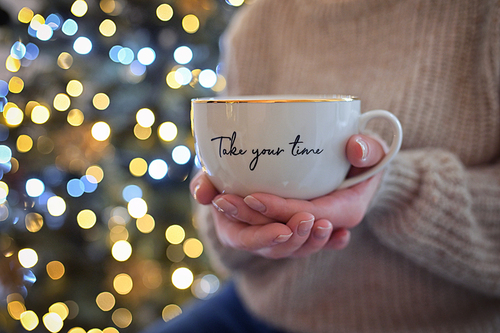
[171, 81]
[122, 317]
[61, 102]
[105, 301]
[25, 15]
[77, 330]
[15, 309]
[33, 222]
[65, 60]
[75, 117]
[142, 133]
[96, 172]
[16, 85]
[101, 101]
[4, 190]
[182, 278]
[123, 284]
[79, 8]
[37, 21]
[170, 311]
[74, 88]
[61, 309]
[190, 23]
[236, 3]
[29, 320]
[164, 12]
[30, 106]
[167, 131]
[138, 167]
[12, 64]
[110, 330]
[145, 224]
[137, 207]
[175, 234]
[107, 28]
[86, 219]
[101, 131]
[52, 322]
[56, 206]
[117, 233]
[24, 143]
[40, 114]
[121, 250]
[107, 6]
[27, 257]
[55, 270]
[193, 248]
[13, 115]
[145, 117]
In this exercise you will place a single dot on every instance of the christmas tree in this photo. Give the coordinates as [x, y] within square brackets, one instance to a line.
[96, 231]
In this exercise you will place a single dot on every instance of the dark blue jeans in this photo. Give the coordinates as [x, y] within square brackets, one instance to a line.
[222, 313]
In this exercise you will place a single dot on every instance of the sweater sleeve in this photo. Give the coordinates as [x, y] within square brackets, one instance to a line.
[443, 216]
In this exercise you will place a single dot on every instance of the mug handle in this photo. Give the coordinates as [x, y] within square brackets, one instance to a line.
[397, 139]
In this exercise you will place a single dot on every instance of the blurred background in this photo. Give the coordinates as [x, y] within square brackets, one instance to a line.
[96, 231]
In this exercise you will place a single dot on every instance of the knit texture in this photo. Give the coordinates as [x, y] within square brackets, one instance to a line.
[426, 258]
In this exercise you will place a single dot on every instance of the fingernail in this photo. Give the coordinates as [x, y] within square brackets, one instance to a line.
[195, 192]
[283, 238]
[322, 232]
[364, 148]
[305, 227]
[225, 206]
[254, 204]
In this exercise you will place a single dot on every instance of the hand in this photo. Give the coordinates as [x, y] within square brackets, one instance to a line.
[275, 227]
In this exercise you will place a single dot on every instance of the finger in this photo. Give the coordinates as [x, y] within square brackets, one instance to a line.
[301, 224]
[242, 236]
[364, 151]
[339, 239]
[319, 237]
[234, 206]
[202, 189]
[343, 208]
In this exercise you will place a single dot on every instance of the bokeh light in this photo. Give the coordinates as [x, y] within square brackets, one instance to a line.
[82, 45]
[137, 207]
[138, 167]
[121, 250]
[101, 131]
[145, 224]
[164, 12]
[61, 102]
[101, 101]
[75, 117]
[190, 23]
[181, 154]
[123, 284]
[182, 278]
[145, 117]
[130, 192]
[79, 8]
[175, 234]
[29, 320]
[158, 169]
[24, 143]
[86, 219]
[27, 257]
[183, 55]
[146, 56]
[74, 88]
[33, 222]
[55, 270]
[52, 322]
[105, 301]
[193, 248]
[107, 28]
[34, 187]
[170, 312]
[25, 15]
[122, 317]
[69, 27]
[167, 131]
[56, 206]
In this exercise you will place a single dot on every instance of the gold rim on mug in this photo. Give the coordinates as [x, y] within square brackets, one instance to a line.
[278, 99]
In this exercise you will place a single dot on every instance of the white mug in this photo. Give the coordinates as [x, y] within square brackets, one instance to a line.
[290, 146]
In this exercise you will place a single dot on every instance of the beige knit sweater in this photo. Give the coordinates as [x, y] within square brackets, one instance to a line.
[427, 256]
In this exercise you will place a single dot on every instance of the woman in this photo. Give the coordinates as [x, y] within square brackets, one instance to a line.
[421, 241]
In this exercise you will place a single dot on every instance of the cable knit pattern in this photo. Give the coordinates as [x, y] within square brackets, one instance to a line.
[426, 258]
